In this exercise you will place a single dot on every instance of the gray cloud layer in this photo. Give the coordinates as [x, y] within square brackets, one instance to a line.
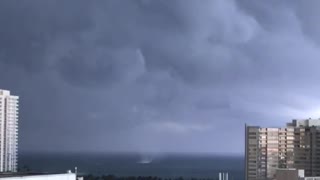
[141, 75]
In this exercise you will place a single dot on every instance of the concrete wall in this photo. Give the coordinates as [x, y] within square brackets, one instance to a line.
[311, 178]
[287, 174]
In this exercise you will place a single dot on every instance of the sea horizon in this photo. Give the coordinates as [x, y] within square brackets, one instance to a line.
[164, 165]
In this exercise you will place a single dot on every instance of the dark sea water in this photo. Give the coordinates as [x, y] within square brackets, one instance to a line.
[188, 166]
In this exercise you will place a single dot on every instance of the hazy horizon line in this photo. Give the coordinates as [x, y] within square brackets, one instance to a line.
[134, 153]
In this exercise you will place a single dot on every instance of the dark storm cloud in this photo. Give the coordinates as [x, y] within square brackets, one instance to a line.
[157, 75]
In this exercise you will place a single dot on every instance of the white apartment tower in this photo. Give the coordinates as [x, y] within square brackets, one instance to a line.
[8, 131]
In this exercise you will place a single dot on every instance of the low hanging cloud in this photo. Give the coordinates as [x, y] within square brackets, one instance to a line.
[119, 75]
[174, 127]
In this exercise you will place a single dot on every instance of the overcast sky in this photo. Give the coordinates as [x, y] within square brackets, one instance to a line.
[156, 75]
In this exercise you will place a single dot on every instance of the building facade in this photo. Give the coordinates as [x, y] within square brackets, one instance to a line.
[8, 131]
[295, 146]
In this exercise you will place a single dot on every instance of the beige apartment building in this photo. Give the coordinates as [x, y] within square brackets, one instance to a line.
[295, 146]
[8, 131]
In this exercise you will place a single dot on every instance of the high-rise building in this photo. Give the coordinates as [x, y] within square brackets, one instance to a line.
[8, 131]
[295, 146]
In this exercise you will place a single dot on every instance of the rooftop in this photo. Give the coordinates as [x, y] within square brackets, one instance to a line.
[15, 174]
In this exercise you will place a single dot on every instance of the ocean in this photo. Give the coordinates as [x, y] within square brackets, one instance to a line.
[165, 166]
